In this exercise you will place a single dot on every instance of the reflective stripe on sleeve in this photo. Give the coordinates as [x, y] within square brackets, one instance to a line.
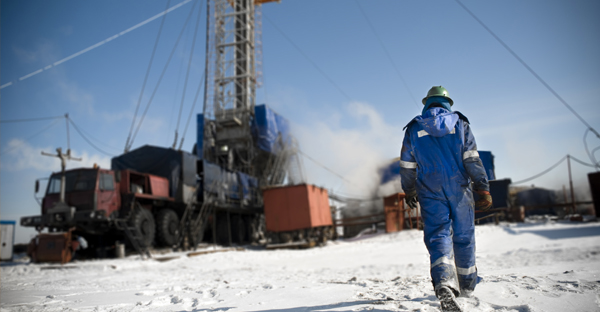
[408, 164]
[442, 260]
[469, 154]
[468, 271]
[423, 133]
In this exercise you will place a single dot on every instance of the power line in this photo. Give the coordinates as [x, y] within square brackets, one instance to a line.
[72, 56]
[88, 135]
[590, 155]
[88, 141]
[162, 23]
[529, 69]
[30, 119]
[542, 173]
[594, 152]
[308, 58]
[554, 166]
[582, 162]
[31, 137]
[325, 167]
[161, 77]
[387, 53]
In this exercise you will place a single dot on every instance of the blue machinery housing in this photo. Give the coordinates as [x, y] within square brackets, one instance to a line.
[187, 171]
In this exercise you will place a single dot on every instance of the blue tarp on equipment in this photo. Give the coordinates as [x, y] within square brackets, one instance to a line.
[391, 172]
[487, 158]
[268, 127]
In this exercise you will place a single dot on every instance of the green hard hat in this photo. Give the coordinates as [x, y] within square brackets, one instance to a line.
[438, 91]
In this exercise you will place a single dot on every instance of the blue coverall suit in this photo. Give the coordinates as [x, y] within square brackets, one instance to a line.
[439, 159]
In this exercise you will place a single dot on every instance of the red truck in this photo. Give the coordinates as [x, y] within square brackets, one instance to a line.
[99, 204]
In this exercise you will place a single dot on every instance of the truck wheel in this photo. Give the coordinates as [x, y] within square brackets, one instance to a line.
[143, 221]
[167, 227]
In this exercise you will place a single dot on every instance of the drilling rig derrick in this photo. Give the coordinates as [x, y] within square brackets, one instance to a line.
[231, 84]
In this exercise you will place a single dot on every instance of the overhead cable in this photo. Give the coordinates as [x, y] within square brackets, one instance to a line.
[308, 59]
[387, 53]
[137, 106]
[187, 75]
[202, 82]
[30, 119]
[161, 77]
[88, 141]
[542, 173]
[530, 69]
[89, 136]
[582, 162]
[324, 167]
[187, 124]
[594, 153]
[31, 137]
[590, 155]
[8, 84]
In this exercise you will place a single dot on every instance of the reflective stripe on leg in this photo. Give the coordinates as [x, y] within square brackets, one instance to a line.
[442, 260]
[467, 271]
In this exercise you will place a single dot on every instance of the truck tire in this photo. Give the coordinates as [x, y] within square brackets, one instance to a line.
[143, 221]
[167, 227]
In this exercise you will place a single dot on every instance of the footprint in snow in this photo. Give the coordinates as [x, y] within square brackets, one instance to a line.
[267, 286]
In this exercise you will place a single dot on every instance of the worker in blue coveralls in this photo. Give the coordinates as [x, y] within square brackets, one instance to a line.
[438, 162]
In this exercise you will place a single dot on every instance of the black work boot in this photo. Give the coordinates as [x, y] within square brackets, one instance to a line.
[447, 300]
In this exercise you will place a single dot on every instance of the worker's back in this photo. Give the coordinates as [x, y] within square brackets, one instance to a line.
[437, 141]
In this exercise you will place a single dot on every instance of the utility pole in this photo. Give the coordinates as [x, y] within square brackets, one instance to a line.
[571, 185]
[63, 164]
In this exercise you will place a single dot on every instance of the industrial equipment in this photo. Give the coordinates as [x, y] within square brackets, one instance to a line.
[155, 196]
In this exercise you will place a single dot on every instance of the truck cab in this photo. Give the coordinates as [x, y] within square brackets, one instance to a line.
[91, 197]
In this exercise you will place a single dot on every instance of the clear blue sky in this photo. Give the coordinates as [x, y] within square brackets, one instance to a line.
[350, 131]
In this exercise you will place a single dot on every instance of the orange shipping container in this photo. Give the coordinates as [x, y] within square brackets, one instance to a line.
[296, 207]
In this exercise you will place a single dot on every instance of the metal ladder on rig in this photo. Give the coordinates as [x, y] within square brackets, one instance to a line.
[135, 238]
[189, 226]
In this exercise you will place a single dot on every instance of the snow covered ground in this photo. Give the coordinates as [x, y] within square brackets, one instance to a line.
[539, 266]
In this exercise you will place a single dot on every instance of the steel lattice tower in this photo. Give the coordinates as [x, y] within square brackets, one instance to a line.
[231, 82]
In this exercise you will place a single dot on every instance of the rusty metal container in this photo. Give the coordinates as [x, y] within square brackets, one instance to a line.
[517, 214]
[296, 207]
[55, 247]
[394, 212]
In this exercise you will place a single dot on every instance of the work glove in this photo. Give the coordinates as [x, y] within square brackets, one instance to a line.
[485, 200]
[411, 199]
